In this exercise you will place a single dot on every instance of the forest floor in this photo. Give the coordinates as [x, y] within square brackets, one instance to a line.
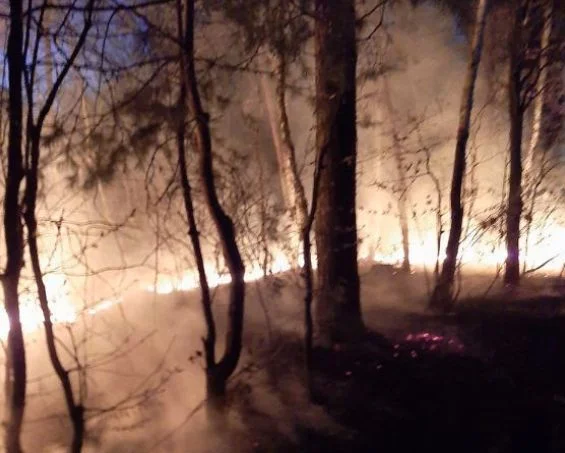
[488, 378]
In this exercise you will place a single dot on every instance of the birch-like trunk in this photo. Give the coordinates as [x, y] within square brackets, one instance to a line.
[442, 296]
[295, 196]
[536, 153]
[292, 188]
[402, 188]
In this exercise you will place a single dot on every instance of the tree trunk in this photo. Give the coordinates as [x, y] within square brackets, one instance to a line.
[442, 296]
[536, 154]
[402, 189]
[217, 375]
[293, 190]
[76, 413]
[206, 300]
[338, 308]
[15, 379]
[516, 111]
[295, 199]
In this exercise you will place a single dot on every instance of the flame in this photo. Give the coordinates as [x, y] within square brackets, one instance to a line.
[63, 310]
[547, 248]
[189, 280]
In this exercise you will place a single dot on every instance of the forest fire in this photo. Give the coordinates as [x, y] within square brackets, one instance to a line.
[548, 254]
[375, 187]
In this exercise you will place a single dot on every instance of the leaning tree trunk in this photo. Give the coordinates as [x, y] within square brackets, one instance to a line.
[218, 374]
[338, 308]
[295, 199]
[293, 190]
[516, 111]
[15, 379]
[442, 296]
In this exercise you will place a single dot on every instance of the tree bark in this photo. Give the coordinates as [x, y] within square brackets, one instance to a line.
[402, 190]
[74, 408]
[535, 157]
[338, 308]
[293, 190]
[218, 374]
[442, 295]
[295, 199]
[516, 111]
[74, 405]
[15, 379]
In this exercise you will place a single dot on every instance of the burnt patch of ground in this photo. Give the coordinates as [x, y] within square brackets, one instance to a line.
[477, 381]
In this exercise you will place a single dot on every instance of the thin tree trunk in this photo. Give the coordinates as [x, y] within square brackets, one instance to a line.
[536, 153]
[402, 196]
[286, 152]
[206, 300]
[338, 308]
[74, 408]
[218, 375]
[15, 379]
[442, 296]
[516, 111]
[295, 199]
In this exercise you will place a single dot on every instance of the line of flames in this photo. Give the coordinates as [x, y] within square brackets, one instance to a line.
[422, 254]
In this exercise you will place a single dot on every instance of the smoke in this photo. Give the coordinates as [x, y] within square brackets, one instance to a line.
[143, 375]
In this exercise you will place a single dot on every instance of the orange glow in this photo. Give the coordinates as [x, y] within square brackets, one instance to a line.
[545, 247]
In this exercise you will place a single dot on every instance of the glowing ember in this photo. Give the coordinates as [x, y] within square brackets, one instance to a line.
[432, 342]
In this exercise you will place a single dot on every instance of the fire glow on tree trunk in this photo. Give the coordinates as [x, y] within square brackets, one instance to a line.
[295, 197]
[402, 190]
[536, 155]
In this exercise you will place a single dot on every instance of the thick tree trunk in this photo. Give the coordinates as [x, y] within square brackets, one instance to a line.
[338, 308]
[218, 375]
[442, 296]
[516, 111]
[15, 379]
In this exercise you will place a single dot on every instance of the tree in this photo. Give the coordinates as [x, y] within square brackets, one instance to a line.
[442, 295]
[15, 379]
[517, 105]
[35, 126]
[402, 189]
[338, 308]
[545, 93]
[535, 154]
[217, 371]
